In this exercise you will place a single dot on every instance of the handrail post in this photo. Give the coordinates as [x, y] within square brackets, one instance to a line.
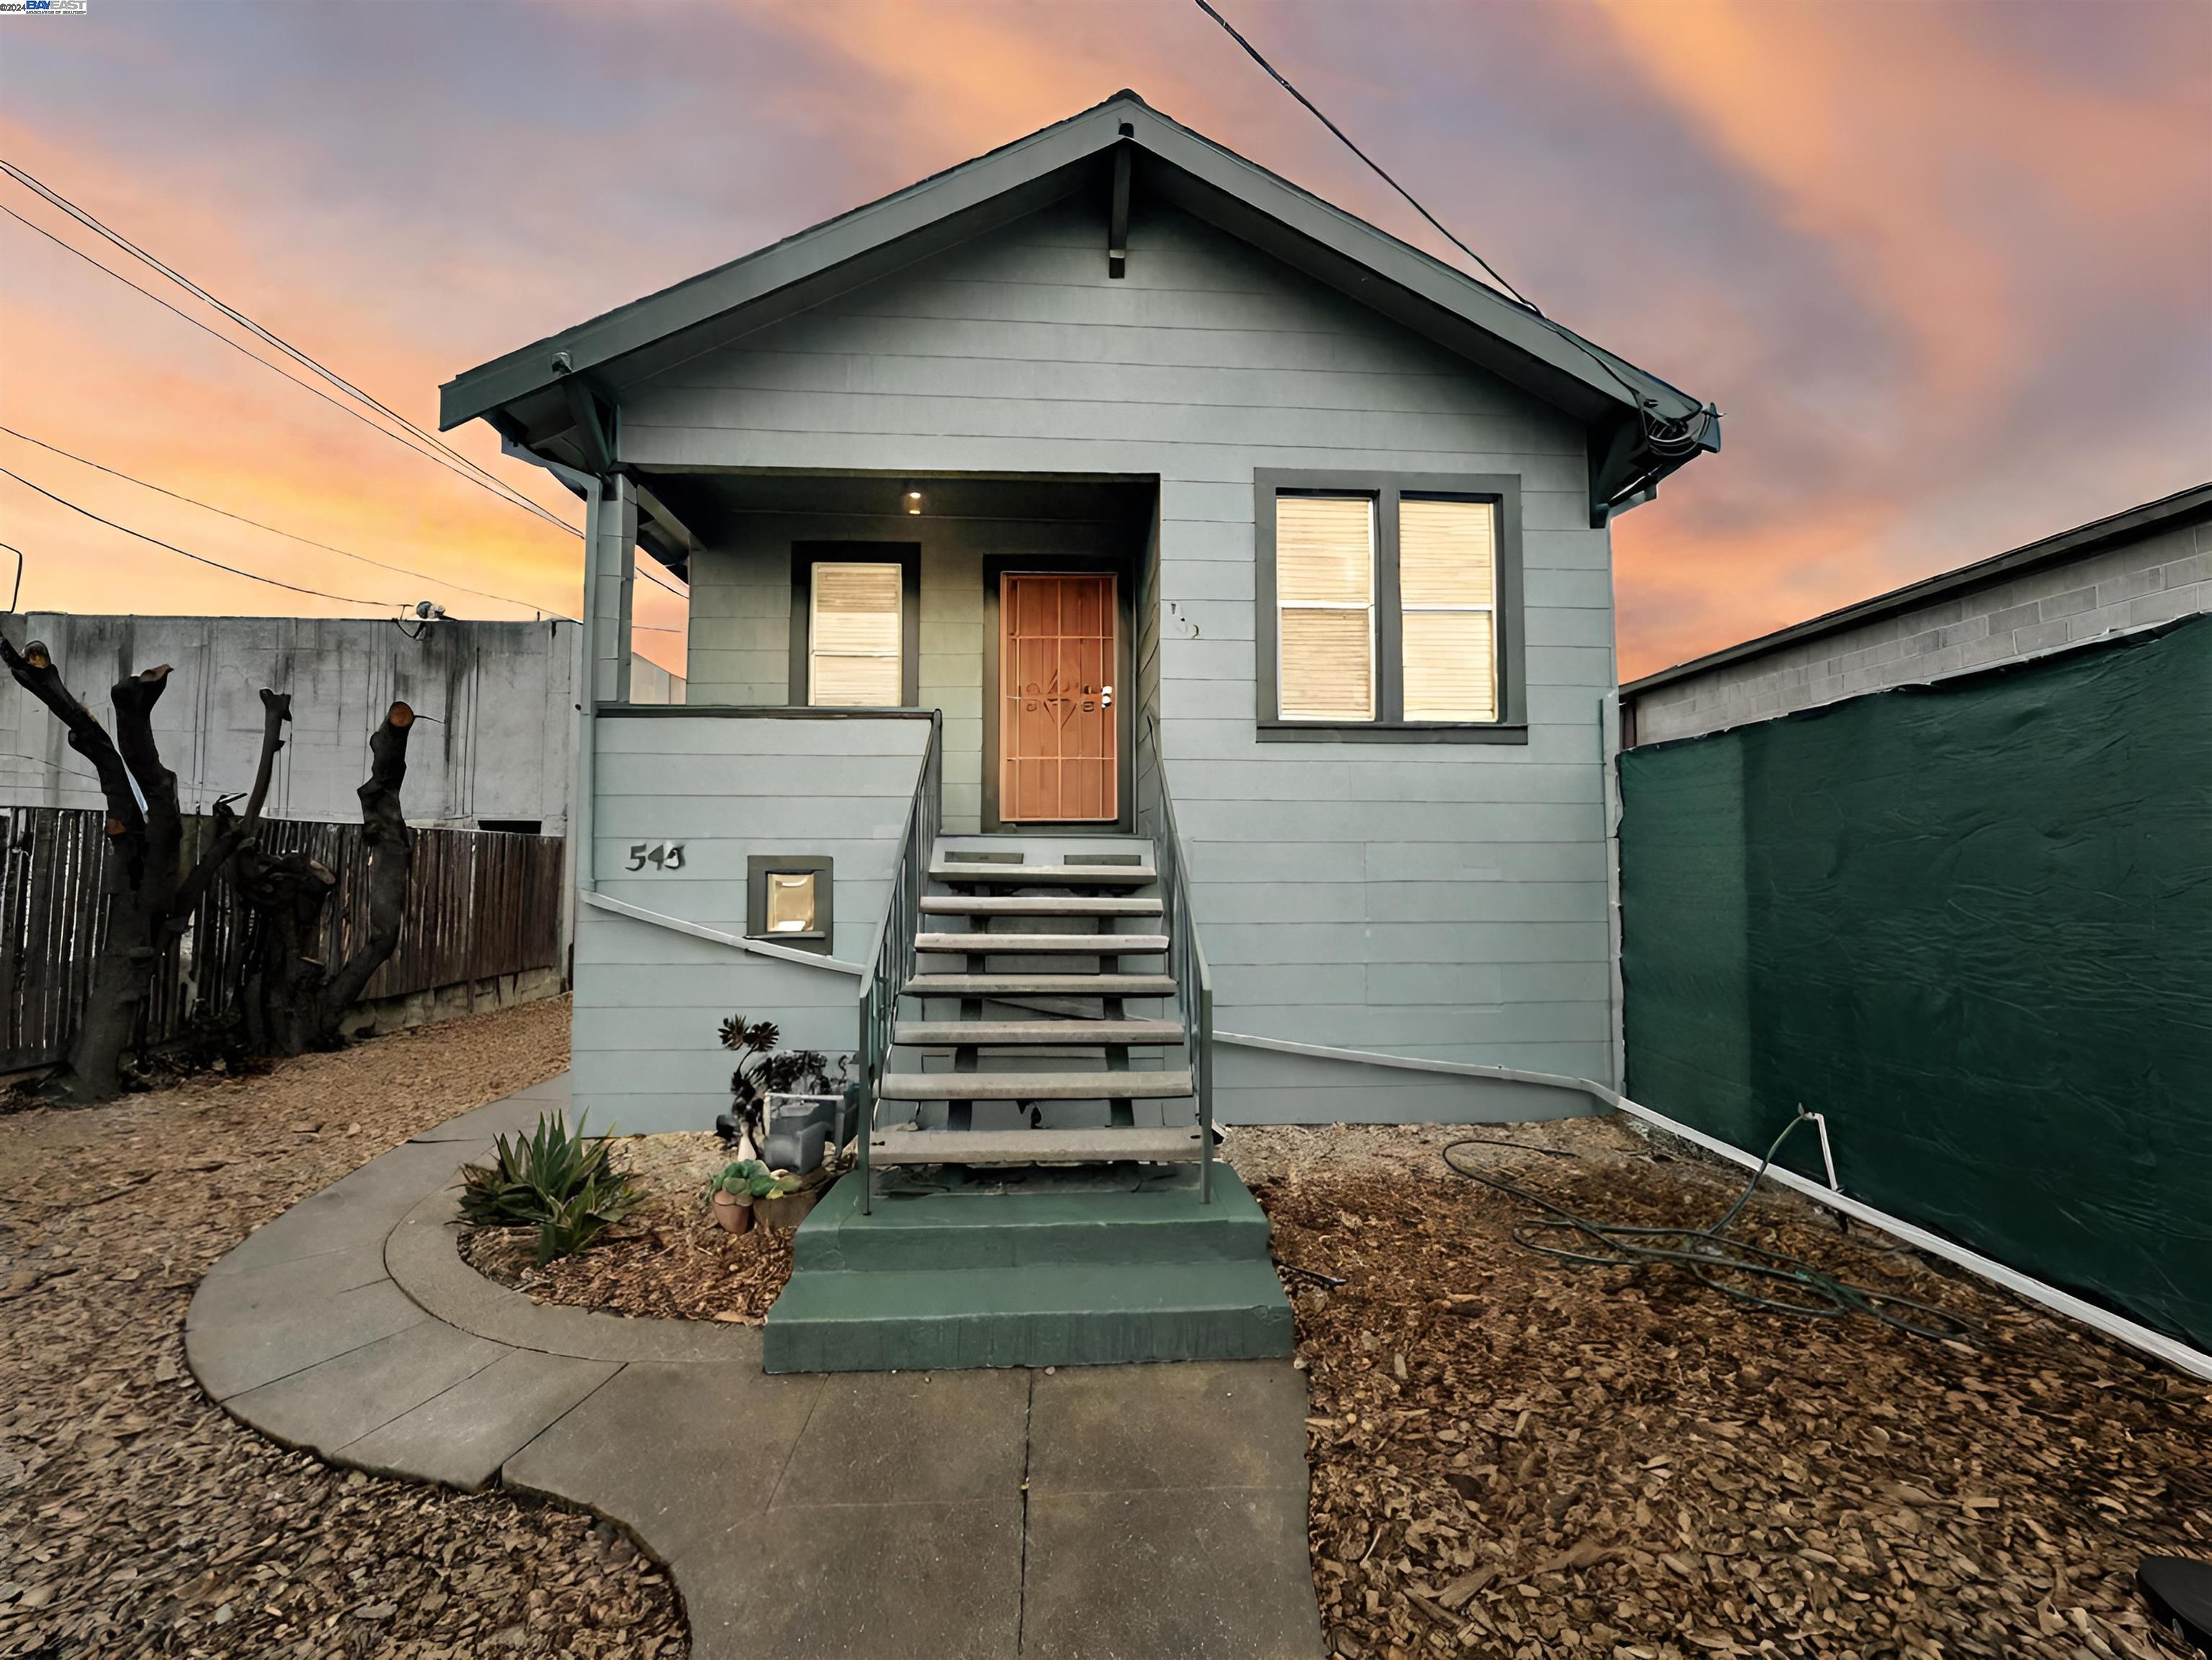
[892, 965]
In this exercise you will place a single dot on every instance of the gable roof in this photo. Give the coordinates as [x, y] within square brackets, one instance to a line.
[526, 393]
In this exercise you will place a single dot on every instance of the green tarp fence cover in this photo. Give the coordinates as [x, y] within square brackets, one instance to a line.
[1971, 923]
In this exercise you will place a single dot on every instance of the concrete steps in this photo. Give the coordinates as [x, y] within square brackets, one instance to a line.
[939, 1233]
[1026, 985]
[948, 1280]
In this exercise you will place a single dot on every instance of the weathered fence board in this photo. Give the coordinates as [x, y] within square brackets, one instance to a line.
[480, 905]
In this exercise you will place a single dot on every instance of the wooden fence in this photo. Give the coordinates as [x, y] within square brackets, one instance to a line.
[480, 904]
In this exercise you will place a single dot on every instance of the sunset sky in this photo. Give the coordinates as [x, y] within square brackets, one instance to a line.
[1948, 269]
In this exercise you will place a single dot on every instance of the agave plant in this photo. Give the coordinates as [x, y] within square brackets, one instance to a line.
[555, 1180]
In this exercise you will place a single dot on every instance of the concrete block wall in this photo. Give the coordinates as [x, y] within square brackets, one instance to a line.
[500, 698]
[2154, 578]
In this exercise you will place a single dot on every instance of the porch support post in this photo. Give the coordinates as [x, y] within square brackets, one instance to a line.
[610, 578]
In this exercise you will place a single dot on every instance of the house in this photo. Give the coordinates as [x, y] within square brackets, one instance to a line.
[1102, 536]
[495, 753]
[1933, 865]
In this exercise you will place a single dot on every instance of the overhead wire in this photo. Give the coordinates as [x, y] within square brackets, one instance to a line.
[1669, 437]
[305, 541]
[1315, 110]
[455, 457]
[201, 558]
[401, 438]
[1708, 1255]
[239, 346]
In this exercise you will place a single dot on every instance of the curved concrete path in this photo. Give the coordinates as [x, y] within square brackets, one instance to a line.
[1098, 1513]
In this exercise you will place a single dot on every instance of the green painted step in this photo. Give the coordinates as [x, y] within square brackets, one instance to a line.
[937, 1231]
[1048, 1315]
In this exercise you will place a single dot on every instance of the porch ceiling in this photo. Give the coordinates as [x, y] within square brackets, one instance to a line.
[702, 499]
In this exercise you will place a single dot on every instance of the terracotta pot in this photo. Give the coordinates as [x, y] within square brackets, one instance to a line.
[790, 1210]
[735, 1215]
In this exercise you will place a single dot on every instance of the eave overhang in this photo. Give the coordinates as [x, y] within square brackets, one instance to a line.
[542, 396]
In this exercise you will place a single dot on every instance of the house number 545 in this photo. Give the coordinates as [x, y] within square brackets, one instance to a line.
[661, 855]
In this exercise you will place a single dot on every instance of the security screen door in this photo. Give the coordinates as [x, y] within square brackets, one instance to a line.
[1059, 761]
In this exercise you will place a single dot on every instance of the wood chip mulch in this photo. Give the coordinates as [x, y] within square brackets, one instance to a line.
[135, 1517]
[668, 1260]
[1516, 1457]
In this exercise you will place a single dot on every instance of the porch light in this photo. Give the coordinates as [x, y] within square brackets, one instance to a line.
[914, 500]
[790, 902]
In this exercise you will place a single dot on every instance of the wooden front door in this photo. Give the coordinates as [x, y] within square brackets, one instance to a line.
[1059, 756]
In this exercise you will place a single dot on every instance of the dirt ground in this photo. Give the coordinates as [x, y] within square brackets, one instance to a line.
[1518, 1457]
[136, 1518]
[668, 1260]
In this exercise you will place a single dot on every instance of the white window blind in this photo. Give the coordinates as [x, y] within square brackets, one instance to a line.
[1325, 607]
[854, 642]
[1448, 601]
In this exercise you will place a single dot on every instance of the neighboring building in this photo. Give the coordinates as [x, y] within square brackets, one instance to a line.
[2145, 566]
[1276, 514]
[498, 700]
[1939, 868]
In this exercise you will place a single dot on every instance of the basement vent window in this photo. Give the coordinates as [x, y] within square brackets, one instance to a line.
[787, 900]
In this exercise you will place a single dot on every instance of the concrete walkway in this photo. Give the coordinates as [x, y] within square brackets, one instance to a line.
[1099, 1513]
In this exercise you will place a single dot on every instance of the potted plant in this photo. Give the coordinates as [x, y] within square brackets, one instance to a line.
[732, 1191]
[788, 1199]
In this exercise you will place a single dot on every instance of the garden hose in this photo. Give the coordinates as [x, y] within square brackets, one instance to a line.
[1706, 1254]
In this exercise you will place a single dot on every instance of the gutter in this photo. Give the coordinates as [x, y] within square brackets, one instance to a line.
[2121, 1330]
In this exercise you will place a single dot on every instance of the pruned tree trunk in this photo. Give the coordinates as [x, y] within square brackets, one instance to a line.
[294, 1002]
[150, 894]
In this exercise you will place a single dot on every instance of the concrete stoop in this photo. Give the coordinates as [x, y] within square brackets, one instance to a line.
[1060, 1277]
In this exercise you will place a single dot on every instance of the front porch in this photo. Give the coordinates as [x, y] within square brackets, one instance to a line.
[754, 547]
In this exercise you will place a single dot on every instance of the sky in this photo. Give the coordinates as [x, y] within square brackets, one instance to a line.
[1946, 268]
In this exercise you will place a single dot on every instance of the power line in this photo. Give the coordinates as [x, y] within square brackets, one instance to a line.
[87, 219]
[1282, 81]
[201, 558]
[278, 369]
[1669, 438]
[306, 541]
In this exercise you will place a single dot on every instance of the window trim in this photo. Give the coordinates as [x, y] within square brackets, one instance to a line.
[1502, 491]
[760, 866]
[804, 555]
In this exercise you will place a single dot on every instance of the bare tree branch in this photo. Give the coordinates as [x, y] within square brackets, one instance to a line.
[390, 859]
[231, 832]
[35, 671]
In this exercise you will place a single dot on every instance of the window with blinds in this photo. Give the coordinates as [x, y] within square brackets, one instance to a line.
[1448, 606]
[853, 636]
[1325, 607]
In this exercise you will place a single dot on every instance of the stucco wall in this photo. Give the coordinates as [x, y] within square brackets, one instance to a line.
[2154, 578]
[497, 745]
[1445, 900]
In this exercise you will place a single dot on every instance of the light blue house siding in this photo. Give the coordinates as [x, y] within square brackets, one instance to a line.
[1443, 901]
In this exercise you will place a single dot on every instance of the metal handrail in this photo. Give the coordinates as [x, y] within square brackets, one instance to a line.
[892, 960]
[1186, 960]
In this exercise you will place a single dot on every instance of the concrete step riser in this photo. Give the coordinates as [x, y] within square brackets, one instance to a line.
[1071, 1339]
[1015, 1245]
